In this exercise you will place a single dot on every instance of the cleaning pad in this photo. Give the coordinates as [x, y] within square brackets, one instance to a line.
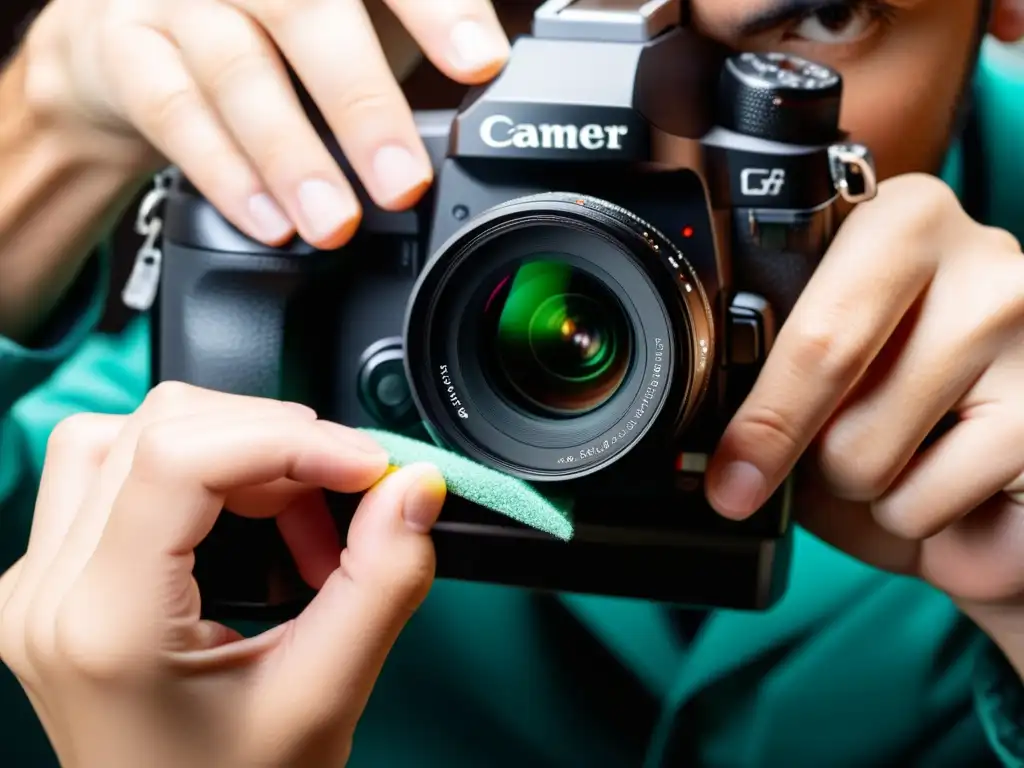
[482, 486]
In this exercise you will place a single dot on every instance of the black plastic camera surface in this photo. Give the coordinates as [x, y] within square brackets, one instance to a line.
[619, 223]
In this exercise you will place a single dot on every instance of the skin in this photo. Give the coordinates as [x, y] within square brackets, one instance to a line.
[915, 312]
[100, 655]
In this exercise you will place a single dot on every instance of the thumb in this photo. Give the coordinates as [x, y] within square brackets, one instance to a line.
[320, 676]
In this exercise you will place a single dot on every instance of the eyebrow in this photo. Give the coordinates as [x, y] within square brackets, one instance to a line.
[783, 11]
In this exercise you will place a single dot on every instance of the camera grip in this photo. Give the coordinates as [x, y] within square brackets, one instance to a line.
[226, 320]
[776, 252]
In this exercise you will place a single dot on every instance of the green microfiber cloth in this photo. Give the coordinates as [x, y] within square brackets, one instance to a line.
[483, 486]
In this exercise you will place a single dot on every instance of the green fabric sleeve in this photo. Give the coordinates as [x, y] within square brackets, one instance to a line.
[999, 702]
[998, 691]
[23, 369]
[1000, 100]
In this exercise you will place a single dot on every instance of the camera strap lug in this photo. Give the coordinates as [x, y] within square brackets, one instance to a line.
[853, 172]
[140, 290]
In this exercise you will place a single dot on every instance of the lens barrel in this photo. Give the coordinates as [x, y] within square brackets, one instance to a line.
[552, 333]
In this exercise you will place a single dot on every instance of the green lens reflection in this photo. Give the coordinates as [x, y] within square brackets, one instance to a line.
[561, 340]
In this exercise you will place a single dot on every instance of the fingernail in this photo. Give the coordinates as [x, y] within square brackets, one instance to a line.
[355, 438]
[325, 208]
[740, 489]
[477, 46]
[269, 220]
[398, 173]
[424, 499]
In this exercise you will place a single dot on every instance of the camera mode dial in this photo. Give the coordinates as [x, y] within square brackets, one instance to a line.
[780, 97]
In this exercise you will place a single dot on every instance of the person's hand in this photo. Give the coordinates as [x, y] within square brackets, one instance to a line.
[915, 313]
[100, 620]
[204, 82]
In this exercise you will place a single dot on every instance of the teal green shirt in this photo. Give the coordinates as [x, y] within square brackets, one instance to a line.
[854, 667]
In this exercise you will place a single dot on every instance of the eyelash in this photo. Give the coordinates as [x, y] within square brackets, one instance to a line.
[879, 13]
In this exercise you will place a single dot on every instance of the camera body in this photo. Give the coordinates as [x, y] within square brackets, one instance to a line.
[619, 223]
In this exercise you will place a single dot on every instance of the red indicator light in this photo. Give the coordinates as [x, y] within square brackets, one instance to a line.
[687, 231]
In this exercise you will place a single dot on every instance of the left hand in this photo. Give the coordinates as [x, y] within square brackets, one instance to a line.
[915, 313]
[101, 621]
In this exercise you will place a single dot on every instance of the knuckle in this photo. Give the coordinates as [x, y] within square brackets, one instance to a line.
[904, 524]
[73, 436]
[1000, 304]
[171, 109]
[280, 159]
[44, 85]
[853, 471]
[921, 196]
[271, 13]
[13, 636]
[160, 451]
[918, 205]
[356, 103]
[237, 66]
[86, 645]
[39, 638]
[768, 426]
[1011, 304]
[409, 587]
[168, 397]
[1002, 241]
[14, 654]
[822, 350]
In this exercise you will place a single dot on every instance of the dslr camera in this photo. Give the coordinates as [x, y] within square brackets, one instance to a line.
[619, 223]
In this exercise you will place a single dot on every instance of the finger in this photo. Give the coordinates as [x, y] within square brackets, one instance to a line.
[335, 53]
[977, 558]
[163, 402]
[849, 525]
[853, 303]
[167, 401]
[168, 109]
[970, 464]
[909, 389]
[927, 367]
[321, 677]
[12, 630]
[75, 451]
[242, 75]
[184, 469]
[309, 532]
[8, 581]
[182, 472]
[462, 38]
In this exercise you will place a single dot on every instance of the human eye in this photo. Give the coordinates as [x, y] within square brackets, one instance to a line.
[841, 23]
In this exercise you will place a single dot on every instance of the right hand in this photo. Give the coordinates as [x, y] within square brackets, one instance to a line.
[204, 83]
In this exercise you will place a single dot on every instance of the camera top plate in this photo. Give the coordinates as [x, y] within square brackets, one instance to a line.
[613, 21]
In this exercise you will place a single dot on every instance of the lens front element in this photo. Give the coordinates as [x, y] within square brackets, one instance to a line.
[551, 334]
[558, 341]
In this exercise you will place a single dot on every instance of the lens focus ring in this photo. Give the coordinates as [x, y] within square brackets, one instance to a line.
[552, 333]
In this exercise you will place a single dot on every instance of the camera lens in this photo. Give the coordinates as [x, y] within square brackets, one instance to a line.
[558, 341]
[551, 335]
